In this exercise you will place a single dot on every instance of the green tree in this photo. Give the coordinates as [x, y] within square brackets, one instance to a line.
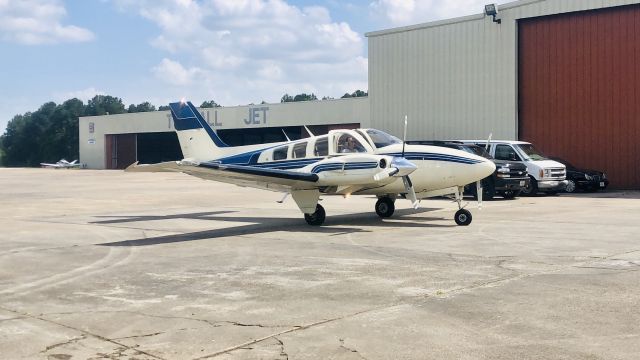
[164, 108]
[103, 105]
[286, 98]
[305, 97]
[143, 107]
[357, 93]
[209, 104]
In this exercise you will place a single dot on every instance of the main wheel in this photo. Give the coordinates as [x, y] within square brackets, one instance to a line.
[532, 188]
[511, 194]
[463, 217]
[385, 207]
[571, 186]
[317, 218]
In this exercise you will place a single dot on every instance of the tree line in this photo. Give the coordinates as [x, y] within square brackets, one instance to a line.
[51, 132]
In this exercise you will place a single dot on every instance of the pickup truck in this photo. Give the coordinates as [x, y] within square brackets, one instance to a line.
[507, 181]
[545, 175]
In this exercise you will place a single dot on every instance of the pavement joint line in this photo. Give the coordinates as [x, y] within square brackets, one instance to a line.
[85, 332]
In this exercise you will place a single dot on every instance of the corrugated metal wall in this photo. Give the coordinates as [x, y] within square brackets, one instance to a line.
[580, 89]
[455, 78]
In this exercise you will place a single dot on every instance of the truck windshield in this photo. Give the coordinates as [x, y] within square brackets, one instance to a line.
[531, 152]
[476, 150]
[381, 139]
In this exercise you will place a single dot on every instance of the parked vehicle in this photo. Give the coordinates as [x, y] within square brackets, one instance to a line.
[507, 181]
[545, 175]
[581, 179]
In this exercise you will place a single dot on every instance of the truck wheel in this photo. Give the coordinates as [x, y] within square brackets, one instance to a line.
[571, 186]
[385, 207]
[532, 188]
[317, 218]
[463, 217]
[511, 194]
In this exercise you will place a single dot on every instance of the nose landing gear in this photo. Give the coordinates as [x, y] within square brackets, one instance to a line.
[463, 216]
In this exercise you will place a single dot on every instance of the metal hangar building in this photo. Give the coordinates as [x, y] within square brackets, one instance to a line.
[563, 74]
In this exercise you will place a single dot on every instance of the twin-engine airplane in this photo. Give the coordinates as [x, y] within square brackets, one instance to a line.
[343, 162]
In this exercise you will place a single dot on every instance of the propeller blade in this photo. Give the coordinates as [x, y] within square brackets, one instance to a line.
[411, 193]
[404, 166]
[479, 191]
[404, 137]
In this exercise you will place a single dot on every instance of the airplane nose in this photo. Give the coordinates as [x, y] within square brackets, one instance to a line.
[486, 168]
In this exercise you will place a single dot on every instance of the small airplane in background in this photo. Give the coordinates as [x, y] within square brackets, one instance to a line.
[343, 162]
[62, 164]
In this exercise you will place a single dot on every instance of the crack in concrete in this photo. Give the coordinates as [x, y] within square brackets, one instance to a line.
[138, 336]
[213, 323]
[282, 352]
[64, 343]
[84, 332]
[351, 350]
[297, 328]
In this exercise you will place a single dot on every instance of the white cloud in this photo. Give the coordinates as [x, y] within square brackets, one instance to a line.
[409, 12]
[34, 22]
[244, 51]
[174, 73]
[84, 94]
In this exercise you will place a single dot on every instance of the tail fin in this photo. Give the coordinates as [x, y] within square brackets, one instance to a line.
[197, 139]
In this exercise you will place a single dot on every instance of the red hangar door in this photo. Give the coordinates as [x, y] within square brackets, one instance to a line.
[579, 89]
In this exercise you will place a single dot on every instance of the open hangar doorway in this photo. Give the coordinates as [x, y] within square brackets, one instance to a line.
[122, 150]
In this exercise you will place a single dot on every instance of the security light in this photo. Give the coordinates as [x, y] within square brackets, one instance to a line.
[492, 10]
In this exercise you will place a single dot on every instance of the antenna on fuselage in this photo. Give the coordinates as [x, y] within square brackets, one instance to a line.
[308, 131]
[285, 135]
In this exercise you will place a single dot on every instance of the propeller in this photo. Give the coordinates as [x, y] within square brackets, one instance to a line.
[408, 185]
[479, 190]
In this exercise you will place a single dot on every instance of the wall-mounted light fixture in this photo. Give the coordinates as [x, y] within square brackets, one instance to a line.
[492, 10]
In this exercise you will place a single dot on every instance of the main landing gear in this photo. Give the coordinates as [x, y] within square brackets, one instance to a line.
[317, 218]
[385, 207]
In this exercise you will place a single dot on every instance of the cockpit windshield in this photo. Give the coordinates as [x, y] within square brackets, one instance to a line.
[381, 139]
[531, 152]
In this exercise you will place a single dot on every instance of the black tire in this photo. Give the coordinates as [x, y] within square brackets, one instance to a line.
[511, 194]
[317, 218]
[571, 186]
[532, 188]
[385, 207]
[463, 217]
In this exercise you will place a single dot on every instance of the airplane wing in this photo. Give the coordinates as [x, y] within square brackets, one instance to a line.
[248, 176]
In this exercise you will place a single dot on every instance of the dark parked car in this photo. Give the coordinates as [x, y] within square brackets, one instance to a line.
[507, 181]
[581, 179]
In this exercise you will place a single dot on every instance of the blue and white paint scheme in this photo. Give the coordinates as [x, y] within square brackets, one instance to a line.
[342, 162]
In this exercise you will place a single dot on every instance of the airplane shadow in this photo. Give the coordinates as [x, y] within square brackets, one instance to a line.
[334, 225]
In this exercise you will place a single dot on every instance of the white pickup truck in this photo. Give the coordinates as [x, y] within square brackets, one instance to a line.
[546, 175]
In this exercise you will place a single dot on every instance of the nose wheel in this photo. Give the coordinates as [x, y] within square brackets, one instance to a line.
[463, 216]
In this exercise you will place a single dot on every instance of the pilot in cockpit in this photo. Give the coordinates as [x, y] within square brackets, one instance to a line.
[348, 144]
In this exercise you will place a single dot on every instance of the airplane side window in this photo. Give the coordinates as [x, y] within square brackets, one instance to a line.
[280, 153]
[300, 150]
[321, 147]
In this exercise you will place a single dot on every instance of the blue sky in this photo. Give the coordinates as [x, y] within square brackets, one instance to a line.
[232, 51]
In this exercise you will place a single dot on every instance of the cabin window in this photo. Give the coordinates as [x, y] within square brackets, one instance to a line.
[280, 153]
[300, 150]
[322, 147]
